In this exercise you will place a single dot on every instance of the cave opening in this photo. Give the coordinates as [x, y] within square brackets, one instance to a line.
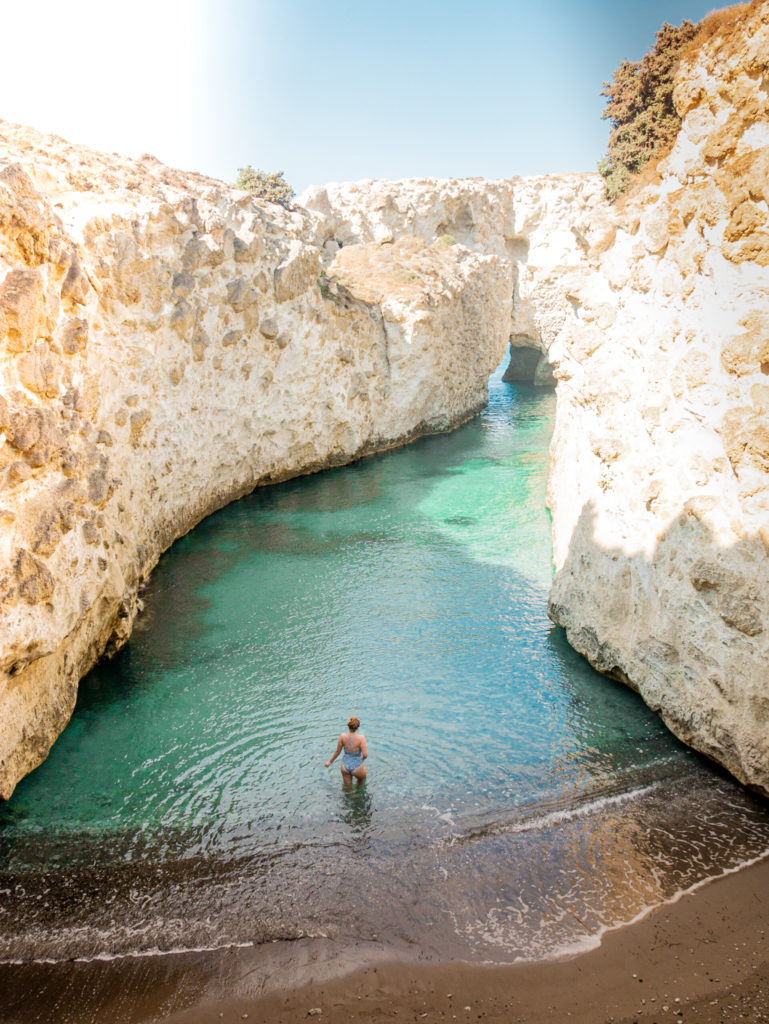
[528, 365]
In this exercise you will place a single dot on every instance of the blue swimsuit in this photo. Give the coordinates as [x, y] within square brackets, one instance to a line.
[351, 761]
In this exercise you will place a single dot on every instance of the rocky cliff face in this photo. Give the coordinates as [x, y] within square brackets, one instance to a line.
[542, 228]
[167, 345]
[659, 483]
[654, 318]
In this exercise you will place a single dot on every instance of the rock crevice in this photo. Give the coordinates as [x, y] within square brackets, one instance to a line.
[659, 485]
[167, 344]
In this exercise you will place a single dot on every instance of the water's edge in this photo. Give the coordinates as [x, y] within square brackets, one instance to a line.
[519, 806]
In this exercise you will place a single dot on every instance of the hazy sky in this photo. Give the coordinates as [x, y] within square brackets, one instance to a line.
[331, 89]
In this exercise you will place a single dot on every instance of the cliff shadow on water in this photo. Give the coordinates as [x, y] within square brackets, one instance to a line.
[517, 804]
[684, 623]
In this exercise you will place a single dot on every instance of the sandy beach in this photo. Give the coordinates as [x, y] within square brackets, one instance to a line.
[703, 958]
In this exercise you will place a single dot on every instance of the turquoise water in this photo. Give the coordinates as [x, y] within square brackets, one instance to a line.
[517, 803]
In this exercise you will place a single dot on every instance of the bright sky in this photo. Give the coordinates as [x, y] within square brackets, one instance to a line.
[328, 90]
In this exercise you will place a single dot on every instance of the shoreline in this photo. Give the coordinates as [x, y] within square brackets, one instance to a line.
[701, 957]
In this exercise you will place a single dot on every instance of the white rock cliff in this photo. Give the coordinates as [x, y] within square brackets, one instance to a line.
[659, 486]
[168, 344]
[654, 318]
[542, 227]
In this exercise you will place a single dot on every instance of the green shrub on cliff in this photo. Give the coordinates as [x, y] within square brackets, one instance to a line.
[272, 187]
[640, 108]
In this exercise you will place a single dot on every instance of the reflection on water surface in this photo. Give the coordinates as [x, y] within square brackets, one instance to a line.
[517, 803]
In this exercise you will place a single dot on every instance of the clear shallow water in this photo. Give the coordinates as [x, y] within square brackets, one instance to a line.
[517, 804]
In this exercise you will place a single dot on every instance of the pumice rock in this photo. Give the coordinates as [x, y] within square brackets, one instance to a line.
[166, 345]
[653, 317]
[156, 326]
[659, 486]
[541, 227]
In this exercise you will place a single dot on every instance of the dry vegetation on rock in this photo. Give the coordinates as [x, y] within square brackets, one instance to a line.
[262, 185]
[659, 485]
[155, 326]
[640, 107]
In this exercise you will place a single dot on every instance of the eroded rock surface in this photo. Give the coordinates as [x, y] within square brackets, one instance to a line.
[654, 318]
[541, 227]
[167, 344]
[659, 484]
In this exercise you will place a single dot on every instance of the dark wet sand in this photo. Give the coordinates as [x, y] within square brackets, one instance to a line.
[703, 959]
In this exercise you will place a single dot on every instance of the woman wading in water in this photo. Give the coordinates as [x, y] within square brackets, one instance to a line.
[353, 743]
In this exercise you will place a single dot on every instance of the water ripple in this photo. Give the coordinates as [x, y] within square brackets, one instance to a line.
[517, 803]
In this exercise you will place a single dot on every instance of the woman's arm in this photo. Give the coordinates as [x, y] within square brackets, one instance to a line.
[337, 752]
[363, 747]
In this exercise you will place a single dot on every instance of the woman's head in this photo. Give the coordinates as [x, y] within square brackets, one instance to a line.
[353, 723]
